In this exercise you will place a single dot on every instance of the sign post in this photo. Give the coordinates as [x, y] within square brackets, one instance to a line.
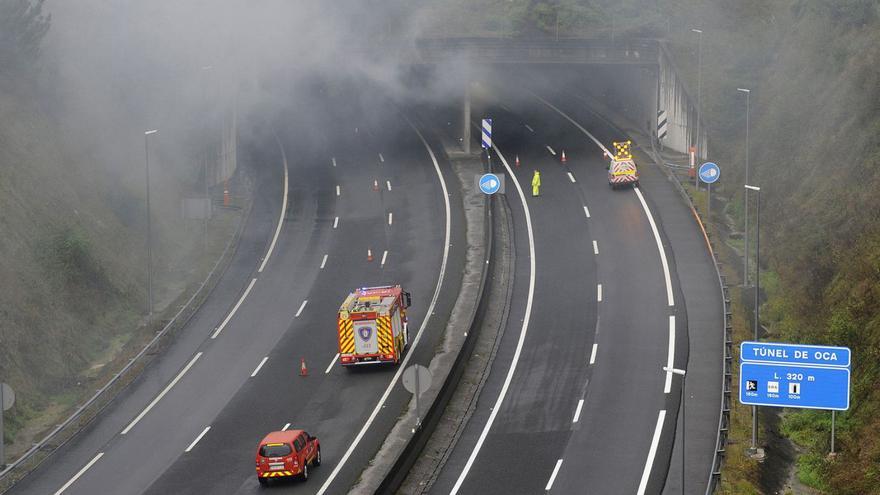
[709, 173]
[486, 140]
[417, 379]
[7, 400]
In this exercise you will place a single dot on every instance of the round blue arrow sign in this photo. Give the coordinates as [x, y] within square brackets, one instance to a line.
[709, 172]
[489, 184]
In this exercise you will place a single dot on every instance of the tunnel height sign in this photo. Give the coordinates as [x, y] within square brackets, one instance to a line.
[792, 375]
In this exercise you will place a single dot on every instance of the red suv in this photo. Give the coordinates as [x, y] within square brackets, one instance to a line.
[288, 453]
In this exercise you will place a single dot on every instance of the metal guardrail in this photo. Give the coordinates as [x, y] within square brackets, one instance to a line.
[105, 395]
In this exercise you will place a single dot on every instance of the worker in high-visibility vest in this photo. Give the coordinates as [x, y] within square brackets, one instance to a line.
[536, 184]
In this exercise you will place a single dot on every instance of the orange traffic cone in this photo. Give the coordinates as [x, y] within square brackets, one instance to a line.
[226, 192]
[375, 185]
[563, 156]
[303, 371]
[369, 255]
[517, 161]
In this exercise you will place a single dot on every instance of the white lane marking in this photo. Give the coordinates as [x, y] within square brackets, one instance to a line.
[390, 218]
[234, 309]
[652, 452]
[388, 183]
[381, 158]
[599, 293]
[551, 150]
[638, 193]
[553, 476]
[283, 210]
[301, 308]
[286, 426]
[522, 335]
[593, 354]
[197, 439]
[335, 222]
[80, 473]
[259, 366]
[587, 212]
[384, 255]
[338, 192]
[529, 127]
[324, 262]
[162, 393]
[334, 161]
[571, 177]
[577, 412]
[660, 248]
[415, 343]
[595, 247]
[670, 359]
[330, 367]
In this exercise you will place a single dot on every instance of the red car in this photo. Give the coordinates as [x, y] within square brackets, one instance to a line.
[284, 454]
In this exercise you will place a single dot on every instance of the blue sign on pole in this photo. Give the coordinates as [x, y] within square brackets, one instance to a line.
[810, 355]
[487, 133]
[489, 183]
[709, 173]
[789, 385]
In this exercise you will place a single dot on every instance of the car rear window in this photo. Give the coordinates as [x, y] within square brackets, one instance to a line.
[275, 450]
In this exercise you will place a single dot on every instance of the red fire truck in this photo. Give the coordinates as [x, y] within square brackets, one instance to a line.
[372, 325]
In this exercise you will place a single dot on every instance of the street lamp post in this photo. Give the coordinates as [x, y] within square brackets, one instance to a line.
[683, 375]
[746, 201]
[757, 289]
[147, 135]
[205, 70]
[699, 93]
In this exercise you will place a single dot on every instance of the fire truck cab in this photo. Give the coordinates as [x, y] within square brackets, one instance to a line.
[372, 325]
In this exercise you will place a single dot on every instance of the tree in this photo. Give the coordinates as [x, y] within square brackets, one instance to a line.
[22, 28]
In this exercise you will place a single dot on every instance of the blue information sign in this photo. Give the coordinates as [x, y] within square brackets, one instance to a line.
[709, 172]
[811, 355]
[490, 183]
[788, 385]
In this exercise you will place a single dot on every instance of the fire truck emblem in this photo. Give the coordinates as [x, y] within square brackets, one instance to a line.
[365, 333]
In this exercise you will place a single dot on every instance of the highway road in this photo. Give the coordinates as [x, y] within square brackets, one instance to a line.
[576, 401]
[191, 423]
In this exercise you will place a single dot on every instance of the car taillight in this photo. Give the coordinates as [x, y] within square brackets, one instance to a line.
[389, 356]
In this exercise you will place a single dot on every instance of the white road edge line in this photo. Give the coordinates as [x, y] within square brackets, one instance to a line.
[529, 127]
[234, 309]
[197, 439]
[301, 308]
[652, 452]
[334, 160]
[335, 222]
[577, 412]
[586, 211]
[522, 335]
[338, 191]
[571, 177]
[415, 343]
[384, 256]
[80, 473]
[162, 393]
[551, 150]
[330, 367]
[599, 293]
[595, 247]
[381, 158]
[257, 369]
[593, 354]
[390, 218]
[388, 183]
[670, 359]
[324, 262]
[553, 476]
[286, 426]
[283, 210]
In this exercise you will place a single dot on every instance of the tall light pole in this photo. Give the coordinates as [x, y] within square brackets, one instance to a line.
[207, 211]
[757, 289]
[746, 200]
[683, 375]
[699, 92]
[147, 135]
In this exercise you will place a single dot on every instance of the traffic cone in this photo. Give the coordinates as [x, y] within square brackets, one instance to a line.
[303, 371]
[517, 161]
[563, 156]
[369, 254]
[375, 185]
[226, 192]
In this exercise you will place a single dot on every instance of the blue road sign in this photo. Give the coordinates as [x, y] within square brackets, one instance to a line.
[809, 355]
[487, 134]
[709, 173]
[490, 183]
[788, 385]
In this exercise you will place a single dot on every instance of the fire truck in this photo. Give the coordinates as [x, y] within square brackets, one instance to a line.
[372, 325]
[622, 170]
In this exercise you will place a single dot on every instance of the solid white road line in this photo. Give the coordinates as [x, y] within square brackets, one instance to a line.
[595, 247]
[599, 293]
[652, 452]
[660, 248]
[330, 367]
[553, 476]
[388, 184]
[335, 222]
[162, 393]
[529, 127]
[564, 115]
[334, 161]
[593, 353]
[390, 218]
[283, 210]
[571, 177]
[551, 150]
[415, 342]
[577, 412]
[257, 369]
[285, 427]
[80, 473]
[384, 255]
[587, 212]
[522, 334]
[338, 192]
[301, 308]
[197, 439]
[670, 359]
[324, 262]
[381, 158]
[234, 309]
